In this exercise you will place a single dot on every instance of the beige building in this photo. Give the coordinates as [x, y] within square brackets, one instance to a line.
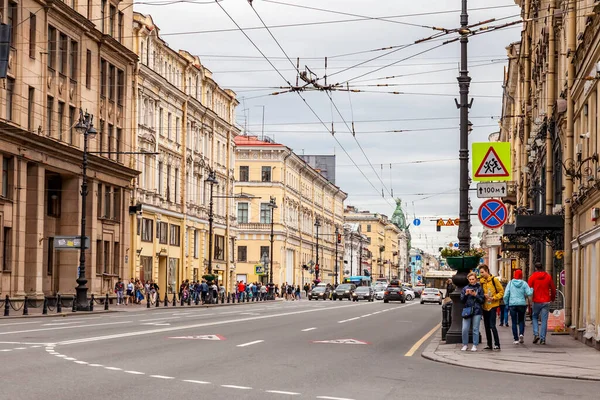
[384, 238]
[302, 196]
[550, 117]
[185, 125]
[65, 57]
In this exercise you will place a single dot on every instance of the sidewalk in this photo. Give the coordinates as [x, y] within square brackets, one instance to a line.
[561, 357]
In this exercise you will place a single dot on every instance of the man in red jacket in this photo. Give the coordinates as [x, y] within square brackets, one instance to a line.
[544, 292]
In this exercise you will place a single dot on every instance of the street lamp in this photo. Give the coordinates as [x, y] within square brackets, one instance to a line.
[212, 180]
[337, 240]
[273, 206]
[317, 226]
[84, 126]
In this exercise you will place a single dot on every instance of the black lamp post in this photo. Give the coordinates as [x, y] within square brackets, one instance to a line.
[86, 127]
[273, 207]
[317, 267]
[212, 180]
[337, 240]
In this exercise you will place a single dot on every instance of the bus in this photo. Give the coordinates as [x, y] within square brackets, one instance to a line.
[358, 280]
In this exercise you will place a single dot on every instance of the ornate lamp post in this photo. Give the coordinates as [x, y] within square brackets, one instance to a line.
[273, 206]
[212, 180]
[317, 266]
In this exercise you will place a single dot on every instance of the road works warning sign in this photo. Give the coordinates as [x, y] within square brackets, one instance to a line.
[491, 161]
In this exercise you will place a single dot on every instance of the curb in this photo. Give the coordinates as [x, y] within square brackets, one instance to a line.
[140, 309]
[429, 354]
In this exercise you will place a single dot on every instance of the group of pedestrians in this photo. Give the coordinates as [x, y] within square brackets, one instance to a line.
[133, 292]
[252, 290]
[481, 299]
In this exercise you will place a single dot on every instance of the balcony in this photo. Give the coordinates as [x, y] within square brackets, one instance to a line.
[254, 226]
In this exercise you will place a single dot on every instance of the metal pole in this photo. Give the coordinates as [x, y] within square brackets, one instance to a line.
[464, 237]
[272, 239]
[318, 267]
[81, 289]
[337, 232]
[211, 179]
[351, 253]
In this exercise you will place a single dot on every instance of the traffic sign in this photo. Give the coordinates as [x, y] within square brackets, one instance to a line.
[449, 222]
[419, 278]
[416, 222]
[491, 189]
[563, 278]
[440, 222]
[457, 221]
[455, 244]
[70, 242]
[492, 213]
[491, 161]
[259, 269]
[417, 257]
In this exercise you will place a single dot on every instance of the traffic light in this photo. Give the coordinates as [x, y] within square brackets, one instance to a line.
[339, 238]
[317, 267]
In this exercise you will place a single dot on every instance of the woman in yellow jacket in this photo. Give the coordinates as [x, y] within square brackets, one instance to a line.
[493, 292]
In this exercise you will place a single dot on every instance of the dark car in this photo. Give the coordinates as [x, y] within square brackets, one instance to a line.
[320, 292]
[344, 291]
[364, 293]
[394, 293]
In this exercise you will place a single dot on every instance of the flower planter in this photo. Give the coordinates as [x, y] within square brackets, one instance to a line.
[463, 263]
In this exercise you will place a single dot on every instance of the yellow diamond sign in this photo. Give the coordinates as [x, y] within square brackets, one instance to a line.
[491, 161]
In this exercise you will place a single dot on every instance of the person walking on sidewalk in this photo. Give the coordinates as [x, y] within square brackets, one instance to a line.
[493, 292]
[472, 298]
[119, 290]
[515, 298]
[544, 292]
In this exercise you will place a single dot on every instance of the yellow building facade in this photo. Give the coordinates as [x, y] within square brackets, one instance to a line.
[185, 130]
[265, 169]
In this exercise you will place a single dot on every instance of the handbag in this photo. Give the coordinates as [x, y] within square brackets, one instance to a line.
[468, 312]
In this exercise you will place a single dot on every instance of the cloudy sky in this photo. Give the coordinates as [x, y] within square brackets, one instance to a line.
[351, 34]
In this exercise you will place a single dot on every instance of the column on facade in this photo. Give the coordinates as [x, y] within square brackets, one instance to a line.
[34, 229]
[70, 220]
[18, 274]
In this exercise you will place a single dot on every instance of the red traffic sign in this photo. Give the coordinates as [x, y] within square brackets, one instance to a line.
[492, 213]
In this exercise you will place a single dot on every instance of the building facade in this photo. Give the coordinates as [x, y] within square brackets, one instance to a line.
[357, 257]
[550, 117]
[184, 130]
[65, 57]
[264, 170]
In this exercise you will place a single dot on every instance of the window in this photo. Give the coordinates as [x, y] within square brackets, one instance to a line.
[368, 228]
[32, 34]
[102, 16]
[219, 253]
[147, 225]
[6, 241]
[89, 9]
[121, 87]
[176, 129]
[242, 253]
[146, 263]
[61, 117]
[107, 205]
[196, 243]
[266, 174]
[168, 194]
[120, 27]
[162, 232]
[119, 133]
[88, 69]
[110, 141]
[6, 166]
[116, 258]
[73, 60]
[49, 114]
[51, 47]
[176, 185]
[72, 113]
[116, 214]
[264, 251]
[10, 88]
[160, 178]
[244, 173]
[111, 19]
[100, 201]
[30, 108]
[50, 263]
[102, 78]
[265, 213]
[242, 213]
[12, 20]
[53, 194]
[174, 235]
[101, 135]
[160, 122]
[169, 126]
[62, 53]
[106, 257]
[111, 82]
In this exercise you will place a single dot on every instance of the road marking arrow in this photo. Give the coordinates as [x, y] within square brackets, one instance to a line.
[341, 341]
[199, 337]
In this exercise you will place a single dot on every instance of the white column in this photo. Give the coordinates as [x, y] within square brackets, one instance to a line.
[493, 258]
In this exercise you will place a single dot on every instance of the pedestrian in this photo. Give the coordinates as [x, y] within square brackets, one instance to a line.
[263, 292]
[130, 289]
[493, 292]
[515, 297]
[306, 289]
[204, 291]
[119, 290]
[298, 292]
[290, 293]
[544, 292]
[241, 290]
[472, 298]
[449, 287]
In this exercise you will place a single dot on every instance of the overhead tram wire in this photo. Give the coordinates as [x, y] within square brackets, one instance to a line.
[303, 99]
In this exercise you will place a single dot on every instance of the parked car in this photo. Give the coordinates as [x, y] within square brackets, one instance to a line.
[319, 292]
[431, 295]
[408, 293]
[379, 291]
[394, 293]
[364, 293]
[344, 291]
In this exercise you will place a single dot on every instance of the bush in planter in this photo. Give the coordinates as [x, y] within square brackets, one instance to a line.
[462, 261]
[209, 277]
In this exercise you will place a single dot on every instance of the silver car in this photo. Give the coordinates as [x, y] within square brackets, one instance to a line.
[431, 295]
[379, 291]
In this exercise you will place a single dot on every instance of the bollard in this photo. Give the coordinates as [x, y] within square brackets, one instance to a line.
[59, 303]
[446, 318]
[6, 306]
[222, 298]
[25, 309]
[228, 297]
[189, 300]
[74, 307]
[45, 306]
[106, 302]
[174, 300]
[147, 300]
[92, 303]
[166, 301]
[238, 297]
[197, 299]
[181, 301]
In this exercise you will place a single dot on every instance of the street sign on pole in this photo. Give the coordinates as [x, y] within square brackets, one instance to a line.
[491, 161]
[416, 222]
[492, 213]
[70, 242]
[491, 189]
[563, 278]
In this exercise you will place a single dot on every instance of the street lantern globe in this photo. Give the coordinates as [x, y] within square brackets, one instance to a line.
[212, 178]
[318, 223]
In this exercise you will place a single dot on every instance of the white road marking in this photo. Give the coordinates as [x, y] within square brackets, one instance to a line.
[250, 343]
[157, 319]
[43, 344]
[237, 387]
[135, 372]
[81, 362]
[283, 392]
[161, 377]
[96, 365]
[61, 356]
[20, 348]
[202, 325]
[6, 350]
[113, 368]
[70, 359]
[198, 382]
[157, 324]
[61, 323]
[36, 346]
[64, 327]
[20, 323]
[77, 318]
[333, 398]
[308, 329]
[348, 320]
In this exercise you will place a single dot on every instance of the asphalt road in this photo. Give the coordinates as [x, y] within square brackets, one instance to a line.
[253, 351]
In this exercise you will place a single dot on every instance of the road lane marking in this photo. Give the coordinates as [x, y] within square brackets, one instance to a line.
[348, 320]
[198, 382]
[416, 346]
[157, 319]
[333, 398]
[161, 377]
[202, 325]
[109, 368]
[21, 323]
[20, 348]
[96, 365]
[237, 387]
[308, 329]
[81, 362]
[135, 372]
[283, 392]
[64, 327]
[250, 343]
[6, 350]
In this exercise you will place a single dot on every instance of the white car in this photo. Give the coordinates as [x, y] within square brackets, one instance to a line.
[431, 295]
[409, 293]
[379, 292]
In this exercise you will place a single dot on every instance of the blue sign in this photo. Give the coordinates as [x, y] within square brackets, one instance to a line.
[419, 277]
[416, 222]
[492, 213]
[417, 257]
[456, 244]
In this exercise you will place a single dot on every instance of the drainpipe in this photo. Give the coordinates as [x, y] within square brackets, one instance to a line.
[551, 93]
[568, 255]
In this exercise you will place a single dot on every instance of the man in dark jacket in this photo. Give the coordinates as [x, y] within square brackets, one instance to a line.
[544, 292]
[449, 287]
